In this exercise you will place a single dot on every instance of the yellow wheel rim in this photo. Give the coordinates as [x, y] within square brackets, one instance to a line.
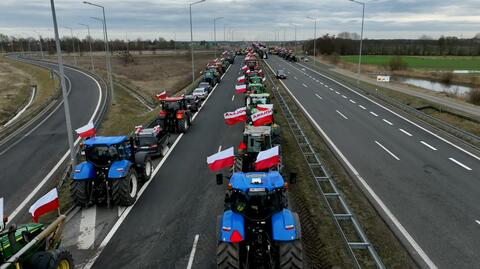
[64, 264]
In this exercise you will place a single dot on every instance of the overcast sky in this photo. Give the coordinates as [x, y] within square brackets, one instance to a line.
[248, 19]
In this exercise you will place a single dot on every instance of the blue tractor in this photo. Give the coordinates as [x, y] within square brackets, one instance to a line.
[111, 173]
[257, 230]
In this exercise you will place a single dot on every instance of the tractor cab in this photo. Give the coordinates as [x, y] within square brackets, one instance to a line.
[256, 88]
[102, 151]
[175, 114]
[257, 138]
[257, 99]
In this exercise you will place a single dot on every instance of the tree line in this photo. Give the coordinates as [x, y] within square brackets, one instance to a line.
[348, 44]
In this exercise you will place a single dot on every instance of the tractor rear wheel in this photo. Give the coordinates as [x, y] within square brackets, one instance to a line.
[53, 259]
[228, 255]
[80, 193]
[291, 255]
[183, 124]
[124, 190]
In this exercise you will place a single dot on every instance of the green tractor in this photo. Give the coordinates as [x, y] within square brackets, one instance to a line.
[34, 246]
[256, 88]
[211, 76]
[253, 100]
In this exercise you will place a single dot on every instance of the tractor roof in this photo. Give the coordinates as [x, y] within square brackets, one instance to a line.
[257, 181]
[173, 99]
[259, 95]
[105, 140]
[257, 130]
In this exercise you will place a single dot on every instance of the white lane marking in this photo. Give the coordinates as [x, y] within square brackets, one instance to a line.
[64, 157]
[295, 78]
[461, 164]
[122, 218]
[362, 107]
[86, 236]
[34, 92]
[389, 123]
[405, 132]
[192, 253]
[337, 92]
[367, 187]
[373, 113]
[353, 102]
[331, 89]
[428, 145]
[322, 83]
[304, 85]
[326, 86]
[344, 96]
[341, 114]
[233, 98]
[219, 148]
[477, 221]
[319, 96]
[405, 119]
[389, 152]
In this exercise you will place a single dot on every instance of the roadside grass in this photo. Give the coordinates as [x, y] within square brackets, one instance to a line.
[324, 246]
[421, 62]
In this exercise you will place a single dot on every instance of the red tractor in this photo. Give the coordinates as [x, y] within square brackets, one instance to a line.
[175, 115]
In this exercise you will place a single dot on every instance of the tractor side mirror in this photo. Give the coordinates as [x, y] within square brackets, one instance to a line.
[293, 178]
[219, 179]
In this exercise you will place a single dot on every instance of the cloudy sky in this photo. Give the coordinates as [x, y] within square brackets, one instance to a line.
[247, 19]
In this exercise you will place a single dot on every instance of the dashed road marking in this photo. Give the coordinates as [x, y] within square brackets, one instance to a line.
[405, 132]
[388, 151]
[428, 145]
[389, 123]
[344, 96]
[353, 102]
[362, 107]
[304, 85]
[461, 164]
[337, 92]
[233, 98]
[192, 253]
[219, 148]
[295, 78]
[477, 221]
[373, 113]
[319, 96]
[342, 115]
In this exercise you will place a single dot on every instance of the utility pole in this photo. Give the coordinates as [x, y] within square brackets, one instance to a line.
[90, 44]
[215, 33]
[41, 46]
[191, 39]
[314, 42]
[359, 69]
[73, 45]
[64, 87]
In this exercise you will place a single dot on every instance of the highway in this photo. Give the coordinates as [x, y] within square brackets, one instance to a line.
[173, 223]
[425, 185]
[30, 158]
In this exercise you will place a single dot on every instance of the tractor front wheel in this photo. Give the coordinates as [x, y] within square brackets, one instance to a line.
[124, 190]
[80, 193]
[291, 255]
[53, 259]
[228, 255]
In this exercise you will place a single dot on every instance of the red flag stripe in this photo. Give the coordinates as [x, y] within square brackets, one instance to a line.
[44, 209]
[222, 163]
[267, 163]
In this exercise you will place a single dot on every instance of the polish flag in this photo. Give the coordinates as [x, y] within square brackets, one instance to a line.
[221, 160]
[86, 131]
[265, 107]
[241, 79]
[262, 118]
[161, 96]
[240, 88]
[267, 159]
[239, 115]
[248, 72]
[48, 203]
[138, 129]
[244, 68]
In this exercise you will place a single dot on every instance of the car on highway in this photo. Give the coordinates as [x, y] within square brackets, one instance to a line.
[281, 74]
[201, 93]
[205, 85]
[154, 141]
[193, 102]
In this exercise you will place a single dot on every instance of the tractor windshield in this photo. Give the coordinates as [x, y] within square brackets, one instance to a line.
[101, 155]
[258, 203]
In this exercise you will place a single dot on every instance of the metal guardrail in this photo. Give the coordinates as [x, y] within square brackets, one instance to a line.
[327, 187]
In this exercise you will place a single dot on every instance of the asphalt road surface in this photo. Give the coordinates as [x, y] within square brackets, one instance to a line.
[181, 203]
[27, 159]
[428, 184]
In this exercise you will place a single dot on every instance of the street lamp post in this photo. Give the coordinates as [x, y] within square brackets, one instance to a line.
[191, 39]
[41, 46]
[314, 42]
[73, 45]
[295, 44]
[107, 50]
[361, 40]
[215, 33]
[90, 44]
[64, 87]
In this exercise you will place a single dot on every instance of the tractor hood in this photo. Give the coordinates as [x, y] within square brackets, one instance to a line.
[105, 140]
[257, 180]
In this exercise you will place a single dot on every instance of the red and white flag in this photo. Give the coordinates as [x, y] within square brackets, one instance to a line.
[266, 159]
[161, 96]
[248, 72]
[262, 118]
[239, 115]
[261, 107]
[242, 88]
[138, 129]
[241, 79]
[244, 68]
[48, 203]
[221, 160]
[86, 131]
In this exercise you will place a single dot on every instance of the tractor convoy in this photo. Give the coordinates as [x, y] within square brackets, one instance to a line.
[256, 229]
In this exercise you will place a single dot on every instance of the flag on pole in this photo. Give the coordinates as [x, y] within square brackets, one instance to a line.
[44, 205]
[161, 96]
[262, 118]
[266, 159]
[241, 79]
[221, 159]
[239, 115]
[138, 129]
[241, 88]
[86, 131]
[264, 107]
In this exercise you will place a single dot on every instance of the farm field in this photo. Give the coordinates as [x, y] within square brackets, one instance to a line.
[422, 62]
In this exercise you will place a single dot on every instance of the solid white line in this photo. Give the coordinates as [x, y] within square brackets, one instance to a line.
[389, 123]
[398, 115]
[341, 114]
[428, 145]
[405, 132]
[362, 107]
[86, 236]
[353, 102]
[34, 91]
[389, 152]
[192, 253]
[365, 185]
[319, 96]
[344, 96]
[461, 164]
[304, 85]
[233, 97]
[373, 114]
